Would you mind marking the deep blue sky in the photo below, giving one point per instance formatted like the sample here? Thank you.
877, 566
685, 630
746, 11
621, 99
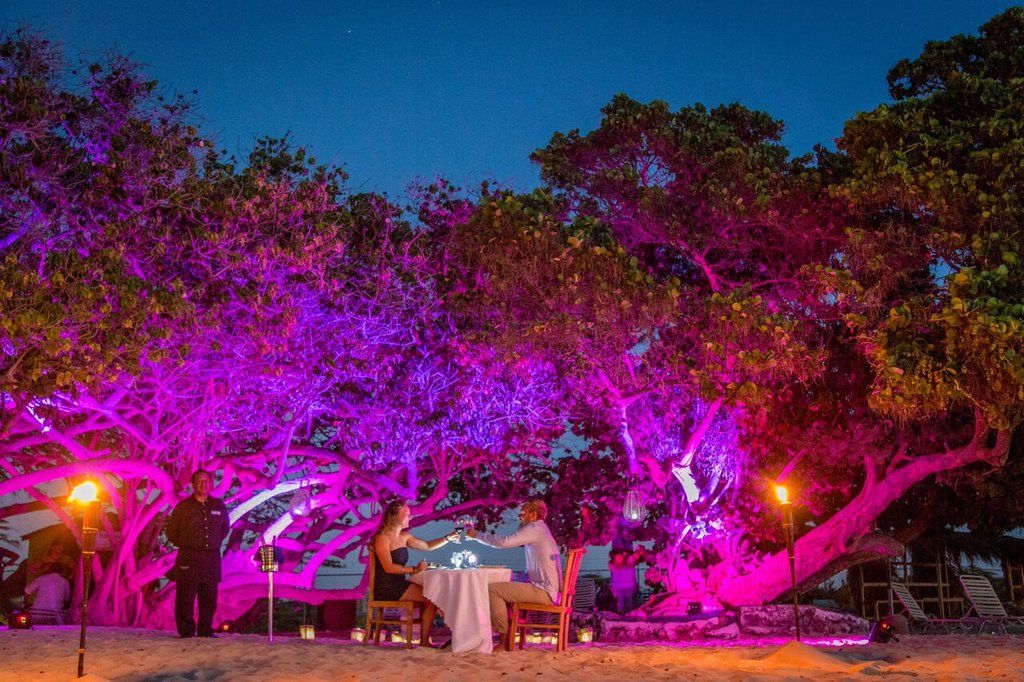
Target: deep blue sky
400, 90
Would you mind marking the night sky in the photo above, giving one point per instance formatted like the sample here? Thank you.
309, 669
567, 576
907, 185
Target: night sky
397, 91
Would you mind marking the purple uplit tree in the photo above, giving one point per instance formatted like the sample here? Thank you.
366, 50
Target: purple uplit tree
165, 312
682, 311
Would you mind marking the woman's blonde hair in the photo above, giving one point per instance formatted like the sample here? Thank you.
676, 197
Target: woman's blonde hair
389, 517
537, 507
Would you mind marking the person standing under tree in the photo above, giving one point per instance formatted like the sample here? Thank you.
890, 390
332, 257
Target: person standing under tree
198, 526
623, 583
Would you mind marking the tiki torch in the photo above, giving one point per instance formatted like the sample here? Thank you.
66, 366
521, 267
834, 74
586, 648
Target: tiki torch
87, 495
786, 507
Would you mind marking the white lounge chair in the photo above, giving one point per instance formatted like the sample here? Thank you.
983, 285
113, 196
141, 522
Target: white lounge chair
985, 605
917, 614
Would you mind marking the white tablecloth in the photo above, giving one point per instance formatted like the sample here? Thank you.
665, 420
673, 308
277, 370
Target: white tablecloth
462, 596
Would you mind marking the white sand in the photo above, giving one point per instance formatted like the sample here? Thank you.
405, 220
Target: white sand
121, 654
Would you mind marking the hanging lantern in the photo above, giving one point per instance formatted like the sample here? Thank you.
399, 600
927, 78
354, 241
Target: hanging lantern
301, 503
634, 509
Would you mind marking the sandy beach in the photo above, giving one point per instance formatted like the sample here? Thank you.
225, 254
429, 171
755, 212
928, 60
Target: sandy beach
124, 654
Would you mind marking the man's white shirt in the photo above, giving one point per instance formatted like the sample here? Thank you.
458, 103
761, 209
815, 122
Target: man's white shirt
543, 561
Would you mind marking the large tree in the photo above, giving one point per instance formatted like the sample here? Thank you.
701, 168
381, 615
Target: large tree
930, 284
164, 310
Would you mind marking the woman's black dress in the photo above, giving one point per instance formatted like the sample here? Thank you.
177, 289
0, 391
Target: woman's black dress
390, 586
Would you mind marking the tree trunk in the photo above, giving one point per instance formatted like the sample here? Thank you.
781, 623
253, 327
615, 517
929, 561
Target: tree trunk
839, 541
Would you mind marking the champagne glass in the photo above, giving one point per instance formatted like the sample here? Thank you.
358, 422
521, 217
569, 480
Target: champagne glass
464, 524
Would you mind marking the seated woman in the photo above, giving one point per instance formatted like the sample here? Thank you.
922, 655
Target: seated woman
391, 546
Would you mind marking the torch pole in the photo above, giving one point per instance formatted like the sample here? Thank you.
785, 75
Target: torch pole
90, 525
787, 529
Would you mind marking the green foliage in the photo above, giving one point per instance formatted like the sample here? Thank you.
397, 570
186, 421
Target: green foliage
936, 254
86, 176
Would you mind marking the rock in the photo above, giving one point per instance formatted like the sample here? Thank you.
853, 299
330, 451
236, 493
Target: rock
661, 631
756, 620
730, 631
777, 619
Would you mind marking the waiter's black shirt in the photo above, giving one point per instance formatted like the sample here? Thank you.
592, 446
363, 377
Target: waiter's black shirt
198, 529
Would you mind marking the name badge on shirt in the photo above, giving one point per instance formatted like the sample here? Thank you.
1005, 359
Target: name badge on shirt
215, 513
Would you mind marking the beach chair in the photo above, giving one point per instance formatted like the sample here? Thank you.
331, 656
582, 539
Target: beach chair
375, 616
48, 616
917, 615
985, 605
585, 599
562, 610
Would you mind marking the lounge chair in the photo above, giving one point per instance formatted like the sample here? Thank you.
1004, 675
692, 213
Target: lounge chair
986, 607
585, 598
917, 615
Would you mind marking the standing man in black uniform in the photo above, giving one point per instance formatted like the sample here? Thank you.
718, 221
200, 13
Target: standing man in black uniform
198, 526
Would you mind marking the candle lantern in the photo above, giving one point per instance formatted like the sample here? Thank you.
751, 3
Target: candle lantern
307, 632
464, 559
358, 635
634, 508
269, 558
585, 634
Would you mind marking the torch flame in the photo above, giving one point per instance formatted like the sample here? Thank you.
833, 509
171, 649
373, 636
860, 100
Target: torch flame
782, 494
85, 493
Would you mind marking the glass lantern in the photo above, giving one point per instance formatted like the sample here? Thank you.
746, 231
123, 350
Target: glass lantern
301, 503
634, 508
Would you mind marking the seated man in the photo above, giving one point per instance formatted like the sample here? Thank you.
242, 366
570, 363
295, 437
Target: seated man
51, 591
543, 564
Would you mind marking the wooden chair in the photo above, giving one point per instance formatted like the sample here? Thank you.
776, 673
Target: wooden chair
375, 611
562, 610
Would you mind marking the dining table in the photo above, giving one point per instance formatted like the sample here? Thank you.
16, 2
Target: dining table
461, 594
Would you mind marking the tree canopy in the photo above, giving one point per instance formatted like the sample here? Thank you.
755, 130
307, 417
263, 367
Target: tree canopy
682, 310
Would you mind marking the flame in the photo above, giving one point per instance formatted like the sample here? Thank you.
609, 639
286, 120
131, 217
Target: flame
85, 493
782, 494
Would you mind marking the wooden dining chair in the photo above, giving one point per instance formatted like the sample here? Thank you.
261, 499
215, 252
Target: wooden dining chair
375, 611
562, 611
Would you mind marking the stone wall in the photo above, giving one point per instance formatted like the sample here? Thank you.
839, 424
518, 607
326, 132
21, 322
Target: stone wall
754, 621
